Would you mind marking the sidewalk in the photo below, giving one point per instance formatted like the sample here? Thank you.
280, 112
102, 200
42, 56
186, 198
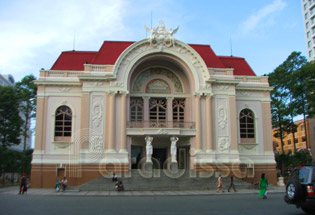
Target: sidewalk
51, 192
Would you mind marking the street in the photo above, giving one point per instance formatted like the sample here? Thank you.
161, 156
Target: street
223, 204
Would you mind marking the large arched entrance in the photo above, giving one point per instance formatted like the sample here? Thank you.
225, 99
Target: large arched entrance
160, 105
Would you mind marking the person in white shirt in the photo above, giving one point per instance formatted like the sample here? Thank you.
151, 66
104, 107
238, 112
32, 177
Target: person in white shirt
64, 183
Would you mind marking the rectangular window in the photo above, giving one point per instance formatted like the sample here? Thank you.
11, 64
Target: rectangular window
305, 6
158, 112
307, 25
302, 128
306, 15
310, 53
308, 34
136, 109
178, 112
303, 139
289, 142
309, 44
296, 140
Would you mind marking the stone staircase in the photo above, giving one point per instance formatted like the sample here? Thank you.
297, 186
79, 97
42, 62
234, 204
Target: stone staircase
159, 181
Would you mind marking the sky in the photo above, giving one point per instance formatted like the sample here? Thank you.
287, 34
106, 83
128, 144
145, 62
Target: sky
34, 33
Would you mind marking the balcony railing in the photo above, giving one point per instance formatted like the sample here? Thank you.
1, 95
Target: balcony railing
161, 124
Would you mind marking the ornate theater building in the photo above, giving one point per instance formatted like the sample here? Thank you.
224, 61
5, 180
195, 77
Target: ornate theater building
158, 103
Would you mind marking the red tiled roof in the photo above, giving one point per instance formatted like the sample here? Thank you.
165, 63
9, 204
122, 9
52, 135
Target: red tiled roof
111, 50
239, 65
73, 60
208, 56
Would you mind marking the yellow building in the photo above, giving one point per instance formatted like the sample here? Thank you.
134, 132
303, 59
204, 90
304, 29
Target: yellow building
289, 141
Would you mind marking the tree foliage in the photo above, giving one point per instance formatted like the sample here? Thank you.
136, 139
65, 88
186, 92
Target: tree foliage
291, 96
27, 91
10, 120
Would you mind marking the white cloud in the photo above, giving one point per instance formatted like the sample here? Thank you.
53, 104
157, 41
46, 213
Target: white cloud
261, 17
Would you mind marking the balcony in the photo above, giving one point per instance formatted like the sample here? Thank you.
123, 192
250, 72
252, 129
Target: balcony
161, 124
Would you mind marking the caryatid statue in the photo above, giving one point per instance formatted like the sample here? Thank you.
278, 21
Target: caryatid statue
174, 149
149, 148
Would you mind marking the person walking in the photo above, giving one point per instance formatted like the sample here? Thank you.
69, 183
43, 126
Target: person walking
220, 184
23, 187
231, 183
263, 183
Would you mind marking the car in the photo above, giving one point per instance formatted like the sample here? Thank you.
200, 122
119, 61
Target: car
300, 189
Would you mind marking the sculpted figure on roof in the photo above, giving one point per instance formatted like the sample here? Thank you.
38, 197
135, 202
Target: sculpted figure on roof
161, 36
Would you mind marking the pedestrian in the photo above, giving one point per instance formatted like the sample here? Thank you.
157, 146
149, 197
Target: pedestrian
220, 184
231, 183
64, 183
114, 178
263, 183
23, 187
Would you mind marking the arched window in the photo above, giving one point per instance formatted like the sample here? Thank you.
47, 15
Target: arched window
247, 125
63, 123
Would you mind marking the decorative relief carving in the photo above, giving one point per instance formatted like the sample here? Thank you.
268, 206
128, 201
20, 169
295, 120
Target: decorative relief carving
223, 144
146, 75
161, 36
97, 114
161, 39
64, 89
248, 148
96, 84
116, 84
162, 131
222, 87
245, 94
222, 116
96, 144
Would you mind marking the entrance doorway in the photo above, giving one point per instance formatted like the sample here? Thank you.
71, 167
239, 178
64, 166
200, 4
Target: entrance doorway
160, 155
136, 152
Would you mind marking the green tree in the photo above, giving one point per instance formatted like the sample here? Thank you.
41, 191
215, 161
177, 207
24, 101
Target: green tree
10, 120
27, 94
289, 91
308, 75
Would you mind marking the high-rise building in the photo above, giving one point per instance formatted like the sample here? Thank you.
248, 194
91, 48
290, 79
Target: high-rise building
308, 7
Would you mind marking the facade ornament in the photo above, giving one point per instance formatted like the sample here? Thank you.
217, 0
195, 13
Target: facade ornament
174, 149
224, 145
64, 89
161, 36
162, 131
149, 148
97, 114
96, 145
222, 118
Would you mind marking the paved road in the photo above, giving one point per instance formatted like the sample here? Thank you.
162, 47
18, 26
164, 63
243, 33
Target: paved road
247, 204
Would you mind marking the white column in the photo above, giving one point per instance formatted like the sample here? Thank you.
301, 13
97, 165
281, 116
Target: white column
170, 111
123, 120
198, 122
209, 135
146, 111
111, 123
